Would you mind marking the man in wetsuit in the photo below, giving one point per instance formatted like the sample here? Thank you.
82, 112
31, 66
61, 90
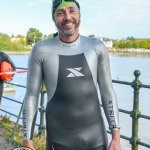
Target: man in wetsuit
72, 67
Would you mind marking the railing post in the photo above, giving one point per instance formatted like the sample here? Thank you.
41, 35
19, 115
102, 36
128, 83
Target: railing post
136, 84
42, 111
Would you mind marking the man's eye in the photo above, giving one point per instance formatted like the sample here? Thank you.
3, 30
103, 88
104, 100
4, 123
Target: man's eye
59, 13
72, 11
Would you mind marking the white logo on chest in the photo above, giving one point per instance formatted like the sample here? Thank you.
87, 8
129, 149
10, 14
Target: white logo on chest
75, 72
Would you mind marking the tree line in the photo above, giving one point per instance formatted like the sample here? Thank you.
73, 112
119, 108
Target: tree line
7, 45
131, 42
21, 43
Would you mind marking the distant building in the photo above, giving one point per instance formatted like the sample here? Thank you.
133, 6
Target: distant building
14, 39
108, 42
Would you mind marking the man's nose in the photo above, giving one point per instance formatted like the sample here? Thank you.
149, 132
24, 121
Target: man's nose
67, 16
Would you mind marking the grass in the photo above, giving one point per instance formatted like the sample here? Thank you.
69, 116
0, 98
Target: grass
8, 125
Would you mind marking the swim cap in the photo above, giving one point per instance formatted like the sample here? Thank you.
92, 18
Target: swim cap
61, 3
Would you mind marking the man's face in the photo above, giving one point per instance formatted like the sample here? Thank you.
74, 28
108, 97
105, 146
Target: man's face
67, 20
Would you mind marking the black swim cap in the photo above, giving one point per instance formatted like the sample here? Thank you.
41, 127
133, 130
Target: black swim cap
60, 3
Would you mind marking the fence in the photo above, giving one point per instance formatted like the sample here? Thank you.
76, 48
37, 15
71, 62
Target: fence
135, 114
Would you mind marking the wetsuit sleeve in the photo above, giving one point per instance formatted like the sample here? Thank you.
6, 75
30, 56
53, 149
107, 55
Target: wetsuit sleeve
34, 78
108, 95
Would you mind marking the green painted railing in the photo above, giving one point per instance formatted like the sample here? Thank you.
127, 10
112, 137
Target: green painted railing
135, 114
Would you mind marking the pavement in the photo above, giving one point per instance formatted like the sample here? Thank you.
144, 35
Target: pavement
3, 143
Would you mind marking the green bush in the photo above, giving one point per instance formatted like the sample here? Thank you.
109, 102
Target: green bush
8, 125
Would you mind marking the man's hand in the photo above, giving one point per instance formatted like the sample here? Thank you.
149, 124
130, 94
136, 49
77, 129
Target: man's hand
28, 144
115, 143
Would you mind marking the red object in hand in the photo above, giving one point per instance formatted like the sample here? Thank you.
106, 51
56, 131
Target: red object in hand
6, 67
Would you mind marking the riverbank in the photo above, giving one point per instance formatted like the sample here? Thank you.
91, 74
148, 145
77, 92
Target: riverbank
126, 52
130, 52
17, 52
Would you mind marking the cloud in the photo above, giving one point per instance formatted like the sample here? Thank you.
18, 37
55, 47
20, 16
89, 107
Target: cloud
44, 1
115, 17
119, 10
38, 2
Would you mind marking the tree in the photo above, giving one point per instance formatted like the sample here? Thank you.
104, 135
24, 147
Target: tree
135, 44
131, 38
19, 36
128, 44
115, 44
5, 43
92, 36
50, 35
44, 37
33, 36
131, 42
121, 44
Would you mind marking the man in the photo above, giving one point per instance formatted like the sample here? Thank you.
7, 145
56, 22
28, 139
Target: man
71, 65
6, 65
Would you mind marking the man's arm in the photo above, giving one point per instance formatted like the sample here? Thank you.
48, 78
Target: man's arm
30, 106
115, 143
108, 96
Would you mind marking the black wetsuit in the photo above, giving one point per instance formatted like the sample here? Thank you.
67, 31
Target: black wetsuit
71, 72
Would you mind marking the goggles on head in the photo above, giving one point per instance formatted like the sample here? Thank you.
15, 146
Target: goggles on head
56, 3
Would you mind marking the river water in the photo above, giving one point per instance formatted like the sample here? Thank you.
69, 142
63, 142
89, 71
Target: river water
122, 68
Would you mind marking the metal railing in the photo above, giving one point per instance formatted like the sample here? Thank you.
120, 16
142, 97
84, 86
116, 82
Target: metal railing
135, 114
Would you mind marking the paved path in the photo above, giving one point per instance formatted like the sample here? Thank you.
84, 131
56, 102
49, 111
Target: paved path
3, 142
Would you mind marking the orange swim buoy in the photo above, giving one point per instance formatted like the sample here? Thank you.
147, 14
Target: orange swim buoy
6, 67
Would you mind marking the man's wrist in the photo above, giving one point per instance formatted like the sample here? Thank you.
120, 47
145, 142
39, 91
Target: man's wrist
116, 134
28, 143
117, 128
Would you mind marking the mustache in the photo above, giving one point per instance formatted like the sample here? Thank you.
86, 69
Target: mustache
68, 21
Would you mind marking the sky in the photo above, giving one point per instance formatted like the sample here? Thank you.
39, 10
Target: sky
115, 19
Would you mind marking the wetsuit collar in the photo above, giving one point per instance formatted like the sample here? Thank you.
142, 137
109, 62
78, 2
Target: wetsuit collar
71, 45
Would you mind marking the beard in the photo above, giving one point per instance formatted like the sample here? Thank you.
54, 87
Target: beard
68, 33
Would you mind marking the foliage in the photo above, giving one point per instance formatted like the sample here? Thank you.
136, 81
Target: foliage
44, 37
39, 143
21, 43
5, 119
6, 44
131, 38
131, 42
50, 35
19, 36
8, 125
33, 36
91, 36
